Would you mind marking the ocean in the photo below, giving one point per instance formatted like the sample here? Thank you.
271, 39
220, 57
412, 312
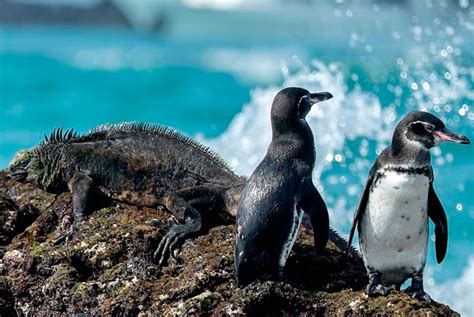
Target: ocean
212, 74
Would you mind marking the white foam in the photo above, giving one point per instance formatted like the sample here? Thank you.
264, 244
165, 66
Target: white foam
457, 293
333, 122
345, 116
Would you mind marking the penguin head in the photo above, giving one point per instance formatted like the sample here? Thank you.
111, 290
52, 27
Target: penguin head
291, 105
424, 130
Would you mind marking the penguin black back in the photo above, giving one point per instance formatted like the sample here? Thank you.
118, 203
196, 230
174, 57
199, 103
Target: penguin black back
270, 208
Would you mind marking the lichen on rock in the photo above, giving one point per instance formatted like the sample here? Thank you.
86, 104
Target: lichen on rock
107, 268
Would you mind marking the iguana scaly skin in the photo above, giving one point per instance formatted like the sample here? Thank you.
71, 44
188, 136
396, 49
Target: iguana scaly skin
140, 164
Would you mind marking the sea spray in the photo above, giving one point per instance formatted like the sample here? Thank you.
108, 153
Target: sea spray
337, 125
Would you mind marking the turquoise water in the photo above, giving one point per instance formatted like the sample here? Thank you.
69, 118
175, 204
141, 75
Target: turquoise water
217, 84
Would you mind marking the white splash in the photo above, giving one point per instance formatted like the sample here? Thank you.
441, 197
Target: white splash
344, 117
456, 293
334, 123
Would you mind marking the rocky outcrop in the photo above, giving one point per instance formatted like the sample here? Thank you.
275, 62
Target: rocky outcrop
107, 269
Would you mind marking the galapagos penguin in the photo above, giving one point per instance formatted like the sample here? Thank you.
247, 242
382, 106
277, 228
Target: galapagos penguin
399, 197
279, 190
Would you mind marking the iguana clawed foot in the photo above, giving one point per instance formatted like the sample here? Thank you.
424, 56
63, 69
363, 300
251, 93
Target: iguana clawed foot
64, 237
68, 235
174, 239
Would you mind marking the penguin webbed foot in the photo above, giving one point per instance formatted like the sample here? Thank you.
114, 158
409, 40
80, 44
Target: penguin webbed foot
416, 290
379, 289
418, 293
376, 287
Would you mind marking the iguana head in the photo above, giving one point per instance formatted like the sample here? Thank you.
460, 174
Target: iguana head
36, 167
42, 165
24, 166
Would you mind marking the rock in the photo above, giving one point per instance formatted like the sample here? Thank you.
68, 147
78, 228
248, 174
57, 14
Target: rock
107, 269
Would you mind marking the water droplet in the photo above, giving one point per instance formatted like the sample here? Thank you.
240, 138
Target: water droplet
436, 151
463, 110
449, 157
352, 190
464, 4
447, 75
338, 158
349, 13
414, 86
459, 207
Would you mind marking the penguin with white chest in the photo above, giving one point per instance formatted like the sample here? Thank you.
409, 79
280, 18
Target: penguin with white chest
399, 197
280, 189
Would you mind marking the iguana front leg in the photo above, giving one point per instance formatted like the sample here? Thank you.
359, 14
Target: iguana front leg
180, 205
82, 189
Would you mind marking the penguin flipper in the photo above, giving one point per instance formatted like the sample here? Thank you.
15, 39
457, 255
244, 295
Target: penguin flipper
361, 207
313, 204
438, 216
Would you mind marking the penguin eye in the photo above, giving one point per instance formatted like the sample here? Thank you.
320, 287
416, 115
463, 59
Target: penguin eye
429, 127
304, 105
418, 128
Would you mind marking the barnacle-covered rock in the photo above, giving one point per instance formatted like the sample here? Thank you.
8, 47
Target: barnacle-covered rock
107, 268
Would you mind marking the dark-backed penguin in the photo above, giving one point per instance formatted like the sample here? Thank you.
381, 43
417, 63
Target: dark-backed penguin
399, 197
279, 190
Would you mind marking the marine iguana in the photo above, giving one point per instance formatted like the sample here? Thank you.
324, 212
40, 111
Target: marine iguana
140, 164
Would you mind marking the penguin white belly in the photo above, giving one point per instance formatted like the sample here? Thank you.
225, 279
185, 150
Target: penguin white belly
297, 217
394, 227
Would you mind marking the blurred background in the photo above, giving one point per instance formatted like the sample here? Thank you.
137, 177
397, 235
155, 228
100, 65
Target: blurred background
210, 68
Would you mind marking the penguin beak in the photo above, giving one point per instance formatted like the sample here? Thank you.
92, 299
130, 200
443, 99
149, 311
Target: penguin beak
450, 136
319, 96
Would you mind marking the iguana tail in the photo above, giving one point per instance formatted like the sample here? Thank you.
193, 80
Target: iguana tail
341, 244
